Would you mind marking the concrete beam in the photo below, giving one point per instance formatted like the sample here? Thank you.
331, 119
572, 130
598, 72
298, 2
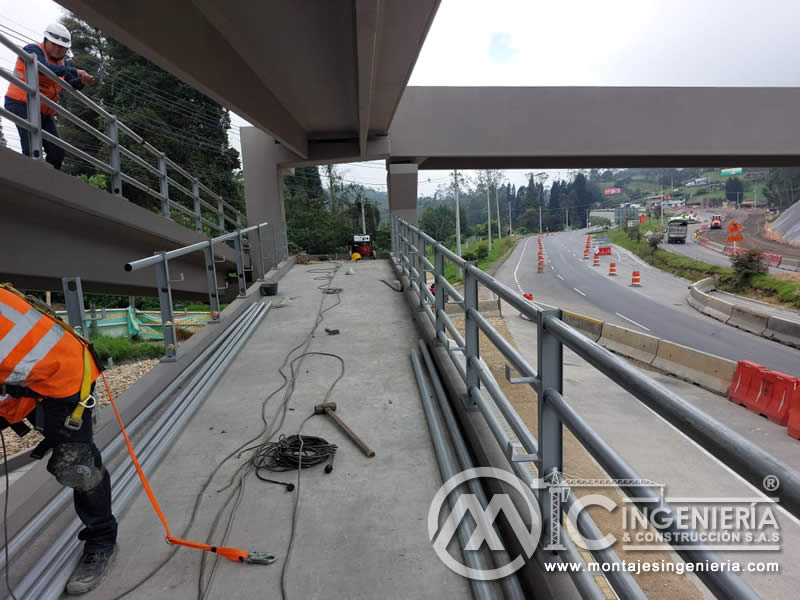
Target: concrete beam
367, 20
55, 225
550, 127
179, 38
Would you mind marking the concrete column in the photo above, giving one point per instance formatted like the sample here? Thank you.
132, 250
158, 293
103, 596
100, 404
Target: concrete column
402, 183
263, 189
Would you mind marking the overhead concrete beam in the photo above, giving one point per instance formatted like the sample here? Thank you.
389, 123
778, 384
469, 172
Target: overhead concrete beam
367, 16
550, 127
179, 38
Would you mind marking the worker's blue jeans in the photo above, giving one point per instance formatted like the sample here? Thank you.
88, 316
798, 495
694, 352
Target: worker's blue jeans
93, 507
54, 154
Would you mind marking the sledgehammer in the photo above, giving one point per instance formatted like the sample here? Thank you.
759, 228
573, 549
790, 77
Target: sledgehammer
328, 409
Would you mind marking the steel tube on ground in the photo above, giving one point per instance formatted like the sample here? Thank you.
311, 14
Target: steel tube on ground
744, 457
510, 584
475, 560
723, 584
622, 582
50, 581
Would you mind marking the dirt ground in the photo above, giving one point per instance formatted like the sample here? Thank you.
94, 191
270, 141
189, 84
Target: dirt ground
578, 463
753, 233
120, 378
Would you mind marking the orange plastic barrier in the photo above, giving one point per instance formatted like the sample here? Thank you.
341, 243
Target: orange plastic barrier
612, 269
747, 385
793, 426
604, 250
779, 389
636, 280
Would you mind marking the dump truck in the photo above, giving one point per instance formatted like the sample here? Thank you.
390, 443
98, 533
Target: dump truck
677, 231
716, 222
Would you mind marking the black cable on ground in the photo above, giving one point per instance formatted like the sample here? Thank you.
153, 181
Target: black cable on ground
391, 286
5, 516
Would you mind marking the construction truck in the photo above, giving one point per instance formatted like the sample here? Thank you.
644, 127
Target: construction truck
716, 222
677, 230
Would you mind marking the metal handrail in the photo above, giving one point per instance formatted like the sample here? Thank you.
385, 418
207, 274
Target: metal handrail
160, 260
224, 211
741, 455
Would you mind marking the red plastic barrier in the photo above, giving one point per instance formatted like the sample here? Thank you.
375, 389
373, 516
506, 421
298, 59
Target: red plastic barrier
779, 390
702, 241
747, 385
604, 250
773, 260
793, 426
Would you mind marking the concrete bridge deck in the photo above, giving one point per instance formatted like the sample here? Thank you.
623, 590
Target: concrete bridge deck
360, 530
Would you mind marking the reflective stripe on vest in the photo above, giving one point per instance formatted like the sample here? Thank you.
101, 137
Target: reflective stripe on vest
31, 323
47, 87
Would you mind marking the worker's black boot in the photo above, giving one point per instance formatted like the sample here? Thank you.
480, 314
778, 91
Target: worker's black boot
91, 570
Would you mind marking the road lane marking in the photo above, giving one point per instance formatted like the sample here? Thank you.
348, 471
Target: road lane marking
580, 292
559, 276
632, 321
525, 247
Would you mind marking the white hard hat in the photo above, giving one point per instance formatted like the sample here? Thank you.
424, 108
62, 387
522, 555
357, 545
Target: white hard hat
58, 34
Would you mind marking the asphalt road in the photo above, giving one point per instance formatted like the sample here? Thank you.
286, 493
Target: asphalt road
656, 308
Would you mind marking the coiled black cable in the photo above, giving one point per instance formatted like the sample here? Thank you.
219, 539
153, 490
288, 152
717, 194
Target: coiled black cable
291, 452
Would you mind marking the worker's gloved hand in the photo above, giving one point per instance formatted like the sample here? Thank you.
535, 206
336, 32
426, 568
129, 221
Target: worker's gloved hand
86, 78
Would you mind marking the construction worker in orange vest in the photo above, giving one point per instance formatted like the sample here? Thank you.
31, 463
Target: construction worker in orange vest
50, 52
47, 374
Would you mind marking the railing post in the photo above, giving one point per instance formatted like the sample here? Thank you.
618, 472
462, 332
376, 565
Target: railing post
275, 257
221, 215
164, 184
237, 248
34, 107
550, 362
114, 158
198, 224
394, 238
260, 263
165, 304
439, 290
211, 279
423, 279
73, 297
472, 349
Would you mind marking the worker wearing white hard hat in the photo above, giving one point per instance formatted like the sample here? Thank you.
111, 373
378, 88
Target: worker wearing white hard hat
51, 52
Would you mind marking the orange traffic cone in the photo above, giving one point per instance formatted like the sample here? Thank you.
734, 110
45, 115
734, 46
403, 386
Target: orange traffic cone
540, 267
612, 269
636, 281
585, 254
596, 262
528, 296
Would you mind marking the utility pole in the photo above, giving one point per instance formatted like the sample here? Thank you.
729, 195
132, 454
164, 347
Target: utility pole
458, 214
497, 211
363, 222
661, 225
510, 232
540, 215
541, 177
488, 215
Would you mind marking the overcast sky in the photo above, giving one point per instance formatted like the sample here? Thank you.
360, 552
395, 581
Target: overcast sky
568, 42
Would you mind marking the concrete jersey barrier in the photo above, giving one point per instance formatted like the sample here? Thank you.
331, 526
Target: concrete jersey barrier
706, 370
591, 328
639, 346
749, 320
783, 331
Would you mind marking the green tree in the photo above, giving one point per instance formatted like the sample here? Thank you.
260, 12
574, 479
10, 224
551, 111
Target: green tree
439, 222
734, 190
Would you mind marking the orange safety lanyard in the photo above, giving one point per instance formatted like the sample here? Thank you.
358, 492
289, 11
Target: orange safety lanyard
233, 554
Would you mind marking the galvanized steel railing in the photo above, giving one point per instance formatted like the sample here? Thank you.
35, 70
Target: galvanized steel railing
207, 208
409, 246
160, 261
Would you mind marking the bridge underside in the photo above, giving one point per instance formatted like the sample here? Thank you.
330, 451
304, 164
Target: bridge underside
55, 226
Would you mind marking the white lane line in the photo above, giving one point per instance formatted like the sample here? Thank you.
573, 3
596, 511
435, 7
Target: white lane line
632, 321
559, 276
580, 292
525, 247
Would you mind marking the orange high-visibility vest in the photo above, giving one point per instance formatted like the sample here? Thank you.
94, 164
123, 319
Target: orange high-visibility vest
47, 87
39, 353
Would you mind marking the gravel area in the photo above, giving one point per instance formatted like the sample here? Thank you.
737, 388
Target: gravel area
120, 378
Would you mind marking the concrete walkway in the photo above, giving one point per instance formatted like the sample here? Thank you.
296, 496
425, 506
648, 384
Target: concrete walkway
360, 530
